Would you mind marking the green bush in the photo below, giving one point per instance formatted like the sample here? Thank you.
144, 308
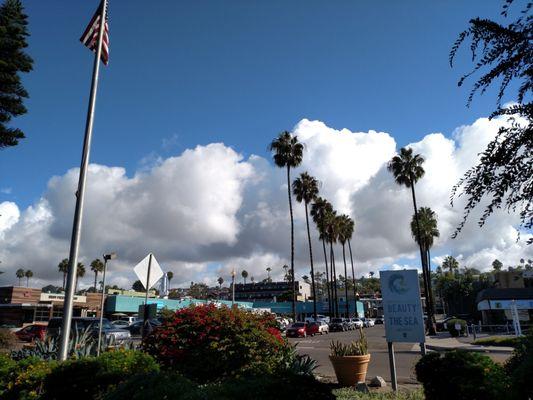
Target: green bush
461, 375
89, 378
506, 341
268, 387
451, 327
206, 343
351, 394
7, 339
520, 368
23, 380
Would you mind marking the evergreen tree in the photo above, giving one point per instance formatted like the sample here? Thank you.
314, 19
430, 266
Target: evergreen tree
13, 61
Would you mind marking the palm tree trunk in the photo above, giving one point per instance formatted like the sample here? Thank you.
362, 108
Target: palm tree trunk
311, 258
334, 278
430, 326
345, 282
27, 281
64, 279
430, 283
327, 276
20, 281
353, 280
95, 280
292, 244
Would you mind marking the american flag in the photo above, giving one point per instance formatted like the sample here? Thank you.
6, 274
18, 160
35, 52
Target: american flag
90, 36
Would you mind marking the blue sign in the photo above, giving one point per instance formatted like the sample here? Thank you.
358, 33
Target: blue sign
402, 308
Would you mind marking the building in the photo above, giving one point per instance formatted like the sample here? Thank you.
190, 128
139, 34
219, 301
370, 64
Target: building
270, 291
23, 305
495, 304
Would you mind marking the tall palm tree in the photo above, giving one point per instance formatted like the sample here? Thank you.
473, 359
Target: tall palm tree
252, 279
343, 235
96, 266
319, 209
244, 275
80, 273
170, 275
305, 188
288, 153
286, 275
28, 274
427, 222
20, 275
407, 171
63, 268
268, 273
350, 228
220, 281
331, 223
451, 264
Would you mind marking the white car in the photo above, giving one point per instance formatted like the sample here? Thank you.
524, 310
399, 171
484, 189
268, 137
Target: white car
368, 322
323, 327
358, 323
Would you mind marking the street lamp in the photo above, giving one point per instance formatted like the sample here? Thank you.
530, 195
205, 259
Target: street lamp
107, 257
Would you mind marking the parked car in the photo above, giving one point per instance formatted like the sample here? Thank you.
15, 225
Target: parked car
120, 323
367, 322
338, 325
298, 329
31, 333
323, 327
129, 320
319, 317
349, 324
82, 324
379, 321
357, 322
312, 328
136, 328
441, 324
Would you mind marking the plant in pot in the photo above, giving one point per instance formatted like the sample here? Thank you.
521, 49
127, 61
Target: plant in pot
350, 361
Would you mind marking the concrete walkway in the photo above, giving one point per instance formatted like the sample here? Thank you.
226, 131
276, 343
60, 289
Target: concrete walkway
443, 343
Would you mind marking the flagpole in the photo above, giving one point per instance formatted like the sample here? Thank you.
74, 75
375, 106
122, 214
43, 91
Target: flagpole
80, 197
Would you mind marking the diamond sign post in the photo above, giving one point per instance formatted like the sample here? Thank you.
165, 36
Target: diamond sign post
149, 272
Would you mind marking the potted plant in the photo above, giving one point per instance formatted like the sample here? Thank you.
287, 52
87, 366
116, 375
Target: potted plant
350, 361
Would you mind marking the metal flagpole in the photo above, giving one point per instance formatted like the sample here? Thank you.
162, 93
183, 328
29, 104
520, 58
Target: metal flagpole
80, 197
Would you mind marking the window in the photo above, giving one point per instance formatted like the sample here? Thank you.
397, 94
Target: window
42, 314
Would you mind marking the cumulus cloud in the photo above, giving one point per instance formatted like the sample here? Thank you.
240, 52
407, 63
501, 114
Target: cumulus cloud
209, 210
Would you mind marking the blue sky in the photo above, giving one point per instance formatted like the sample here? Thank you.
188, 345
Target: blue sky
184, 73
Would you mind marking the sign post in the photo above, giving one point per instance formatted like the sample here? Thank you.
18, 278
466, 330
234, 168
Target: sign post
402, 309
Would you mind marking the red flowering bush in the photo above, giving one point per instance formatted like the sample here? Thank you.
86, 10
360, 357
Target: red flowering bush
206, 343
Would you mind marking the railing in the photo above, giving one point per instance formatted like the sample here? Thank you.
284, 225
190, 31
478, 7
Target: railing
502, 329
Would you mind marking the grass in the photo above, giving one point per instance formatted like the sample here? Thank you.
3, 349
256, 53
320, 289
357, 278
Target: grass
350, 394
506, 341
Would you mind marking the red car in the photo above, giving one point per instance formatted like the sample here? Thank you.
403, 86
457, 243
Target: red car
31, 333
302, 329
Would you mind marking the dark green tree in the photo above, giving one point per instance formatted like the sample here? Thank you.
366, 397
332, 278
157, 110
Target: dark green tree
97, 266
28, 274
504, 174
13, 61
305, 188
407, 170
344, 229
450, 264
138, 286
319, 209
170, 275
244, 275
20, 274
63, 268
497, 265
288, 153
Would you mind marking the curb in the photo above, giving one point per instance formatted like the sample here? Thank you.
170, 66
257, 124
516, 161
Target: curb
479, 349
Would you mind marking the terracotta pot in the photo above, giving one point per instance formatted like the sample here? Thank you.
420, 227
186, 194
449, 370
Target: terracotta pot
350, 369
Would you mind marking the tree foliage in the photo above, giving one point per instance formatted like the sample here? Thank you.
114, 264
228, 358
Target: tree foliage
13, 61
504, 174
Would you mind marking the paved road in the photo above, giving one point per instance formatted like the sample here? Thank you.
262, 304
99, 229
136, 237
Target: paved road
407, 354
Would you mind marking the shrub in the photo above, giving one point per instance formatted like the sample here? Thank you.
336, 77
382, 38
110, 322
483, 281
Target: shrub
355, 348
7, 339
351, 394
89, 378
506, 341
451, 327
461, 375
519, 368
206, 343
24, 379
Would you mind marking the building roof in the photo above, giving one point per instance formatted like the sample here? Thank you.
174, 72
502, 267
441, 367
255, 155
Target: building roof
505, 294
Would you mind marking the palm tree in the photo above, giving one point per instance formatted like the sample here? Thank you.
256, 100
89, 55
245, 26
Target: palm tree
407, 170
170, 275
319, 209
96, 266
268, 273
450, 264
252, 279
220, 281
371, 274
331, 224
28, 274
305, 188
427, 223
288, 152
343, 235
286, 275
20, 275
80, 273
244, 275
63, 268
350, 227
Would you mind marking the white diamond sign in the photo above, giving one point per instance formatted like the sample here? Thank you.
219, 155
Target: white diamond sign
141, 270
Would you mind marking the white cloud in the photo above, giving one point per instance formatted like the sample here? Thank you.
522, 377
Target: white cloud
209, 210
